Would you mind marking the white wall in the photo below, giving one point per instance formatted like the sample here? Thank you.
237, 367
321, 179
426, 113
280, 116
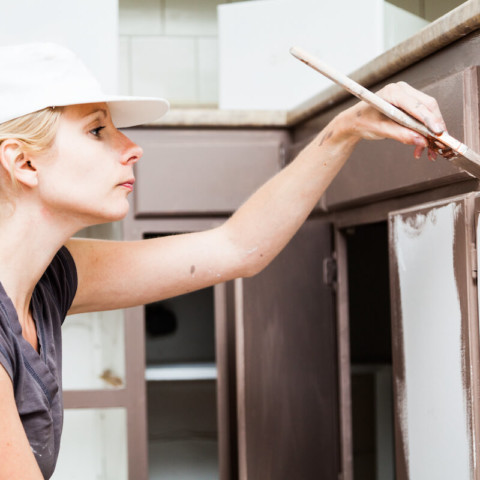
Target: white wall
170, 48
256, 69
88, 27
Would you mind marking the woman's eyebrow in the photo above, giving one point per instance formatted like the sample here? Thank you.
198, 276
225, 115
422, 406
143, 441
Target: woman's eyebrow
102, 111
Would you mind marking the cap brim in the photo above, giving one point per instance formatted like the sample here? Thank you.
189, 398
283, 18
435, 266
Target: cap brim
131, 111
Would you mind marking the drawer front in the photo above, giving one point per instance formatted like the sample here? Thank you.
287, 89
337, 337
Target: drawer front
202, 171
386, 168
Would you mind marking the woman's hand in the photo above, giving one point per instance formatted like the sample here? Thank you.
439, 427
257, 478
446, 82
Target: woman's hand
364, 121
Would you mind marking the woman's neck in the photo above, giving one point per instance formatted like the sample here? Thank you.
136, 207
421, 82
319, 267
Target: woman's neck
29, 239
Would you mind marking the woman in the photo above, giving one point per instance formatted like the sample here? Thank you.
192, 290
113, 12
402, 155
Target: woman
64, 166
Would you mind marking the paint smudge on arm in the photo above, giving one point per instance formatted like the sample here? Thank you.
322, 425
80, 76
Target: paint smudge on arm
325, 137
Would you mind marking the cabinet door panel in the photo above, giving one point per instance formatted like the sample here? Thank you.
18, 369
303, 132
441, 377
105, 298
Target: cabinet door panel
287, 365
435, 340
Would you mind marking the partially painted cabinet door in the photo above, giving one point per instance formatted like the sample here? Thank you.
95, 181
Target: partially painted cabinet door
287, 365
435, 339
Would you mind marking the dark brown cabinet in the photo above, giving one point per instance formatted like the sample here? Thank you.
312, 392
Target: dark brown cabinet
312, 368
275, 333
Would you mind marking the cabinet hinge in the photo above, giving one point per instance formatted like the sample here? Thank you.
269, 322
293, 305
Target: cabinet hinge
473, 252
330, 271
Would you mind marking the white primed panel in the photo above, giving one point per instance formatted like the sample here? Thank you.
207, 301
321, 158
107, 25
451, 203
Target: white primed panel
88, 27
93, 351
432, 401
94, 445
256, 68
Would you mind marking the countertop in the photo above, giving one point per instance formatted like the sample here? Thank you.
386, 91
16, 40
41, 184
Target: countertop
454, 25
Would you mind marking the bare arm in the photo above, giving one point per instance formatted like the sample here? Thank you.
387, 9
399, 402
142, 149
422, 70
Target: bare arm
16, 457
121, 274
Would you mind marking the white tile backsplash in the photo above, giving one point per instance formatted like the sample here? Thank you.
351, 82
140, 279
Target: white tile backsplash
208, 71
124, 65
140, 17
165, 67
191, 17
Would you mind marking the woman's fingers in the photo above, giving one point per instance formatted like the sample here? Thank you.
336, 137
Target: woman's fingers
373, 125
418, 104
417, 153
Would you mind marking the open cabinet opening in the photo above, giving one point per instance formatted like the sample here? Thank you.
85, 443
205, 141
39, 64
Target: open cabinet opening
370, 352
181, 387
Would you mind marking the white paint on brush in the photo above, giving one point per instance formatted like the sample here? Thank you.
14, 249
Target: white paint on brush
433, 409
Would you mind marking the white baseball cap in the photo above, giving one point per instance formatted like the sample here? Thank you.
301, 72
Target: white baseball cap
35, 76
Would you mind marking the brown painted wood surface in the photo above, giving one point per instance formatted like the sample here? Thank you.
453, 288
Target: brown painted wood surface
343, 346
226, 381
203, 172
287, 365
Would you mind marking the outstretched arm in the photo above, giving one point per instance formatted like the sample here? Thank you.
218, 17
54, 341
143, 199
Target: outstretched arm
121, 274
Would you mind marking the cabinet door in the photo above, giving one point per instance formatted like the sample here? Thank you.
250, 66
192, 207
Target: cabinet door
435, 339
287, 365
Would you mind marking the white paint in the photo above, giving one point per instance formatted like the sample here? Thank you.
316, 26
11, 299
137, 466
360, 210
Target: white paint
433, 407
88, 27
94, 445
92, 343
181, 371
256, 70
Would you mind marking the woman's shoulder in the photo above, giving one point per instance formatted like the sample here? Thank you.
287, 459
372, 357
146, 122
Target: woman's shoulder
59, 282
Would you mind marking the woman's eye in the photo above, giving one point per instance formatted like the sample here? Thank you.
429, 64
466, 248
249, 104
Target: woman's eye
96, 131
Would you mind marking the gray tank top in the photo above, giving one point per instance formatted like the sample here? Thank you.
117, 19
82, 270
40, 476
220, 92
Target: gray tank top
37, 377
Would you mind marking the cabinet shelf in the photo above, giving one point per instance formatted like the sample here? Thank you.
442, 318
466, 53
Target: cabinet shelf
181, 371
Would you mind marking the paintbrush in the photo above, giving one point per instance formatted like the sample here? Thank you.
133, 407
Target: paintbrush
453, 150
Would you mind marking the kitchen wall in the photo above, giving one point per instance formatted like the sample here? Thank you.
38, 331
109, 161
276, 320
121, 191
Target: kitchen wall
170, 47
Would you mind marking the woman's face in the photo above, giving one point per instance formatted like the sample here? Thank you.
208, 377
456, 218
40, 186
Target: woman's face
88, 173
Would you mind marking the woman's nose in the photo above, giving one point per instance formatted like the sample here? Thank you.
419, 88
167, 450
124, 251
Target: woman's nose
132, 152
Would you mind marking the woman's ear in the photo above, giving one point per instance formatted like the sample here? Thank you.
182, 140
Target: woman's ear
18, 163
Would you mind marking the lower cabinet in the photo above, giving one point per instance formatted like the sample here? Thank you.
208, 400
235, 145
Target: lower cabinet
241, 378
181, 378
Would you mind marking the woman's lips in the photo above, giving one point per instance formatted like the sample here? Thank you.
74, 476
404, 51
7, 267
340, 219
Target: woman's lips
128, 184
